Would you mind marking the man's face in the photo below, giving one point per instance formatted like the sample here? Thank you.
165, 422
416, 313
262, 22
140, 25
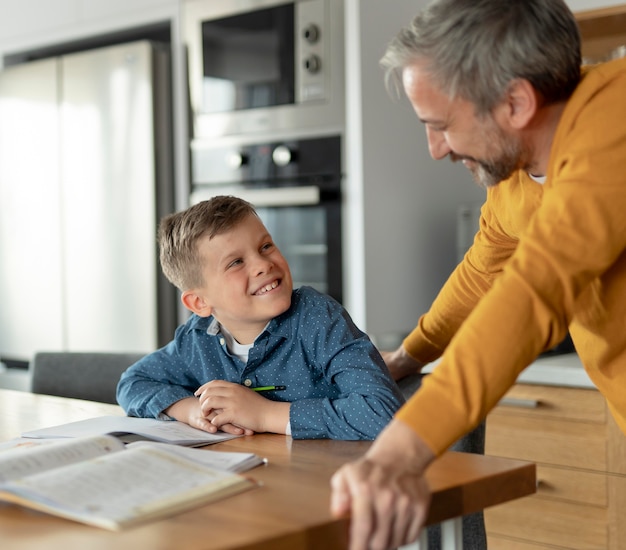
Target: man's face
247, 279
453, 129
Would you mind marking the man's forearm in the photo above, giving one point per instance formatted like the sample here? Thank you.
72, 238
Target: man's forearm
399, 446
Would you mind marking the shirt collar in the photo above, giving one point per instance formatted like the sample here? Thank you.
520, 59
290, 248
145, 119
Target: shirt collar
278, 326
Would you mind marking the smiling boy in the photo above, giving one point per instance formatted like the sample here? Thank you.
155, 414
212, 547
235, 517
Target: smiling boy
251, 329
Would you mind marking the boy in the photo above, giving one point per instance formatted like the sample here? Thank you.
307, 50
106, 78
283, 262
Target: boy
250, 330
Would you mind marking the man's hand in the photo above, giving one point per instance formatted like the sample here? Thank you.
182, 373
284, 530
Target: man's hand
400, 363
385, 492
226, 403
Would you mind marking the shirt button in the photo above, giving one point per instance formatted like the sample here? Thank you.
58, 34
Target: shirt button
221, 341
247, 382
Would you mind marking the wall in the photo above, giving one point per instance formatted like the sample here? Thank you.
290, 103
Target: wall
408, 201
29, 24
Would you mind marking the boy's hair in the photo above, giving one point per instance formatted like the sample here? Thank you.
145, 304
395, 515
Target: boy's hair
180, 232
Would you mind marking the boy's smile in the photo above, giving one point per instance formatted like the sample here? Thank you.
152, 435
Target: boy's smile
247, 281
267, 288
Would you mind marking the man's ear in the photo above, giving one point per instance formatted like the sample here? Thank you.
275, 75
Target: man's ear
196, 303
521, 103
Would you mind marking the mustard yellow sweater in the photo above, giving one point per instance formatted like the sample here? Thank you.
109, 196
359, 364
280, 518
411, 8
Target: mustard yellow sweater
547, 257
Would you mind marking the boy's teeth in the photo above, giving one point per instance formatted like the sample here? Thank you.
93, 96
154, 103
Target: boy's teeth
268, 288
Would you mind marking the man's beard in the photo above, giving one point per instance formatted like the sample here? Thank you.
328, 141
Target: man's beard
508, 158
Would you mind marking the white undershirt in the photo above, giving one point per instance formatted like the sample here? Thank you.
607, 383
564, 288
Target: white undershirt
239, 350
243, 351
538, 179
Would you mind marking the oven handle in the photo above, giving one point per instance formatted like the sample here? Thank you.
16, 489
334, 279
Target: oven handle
267, 197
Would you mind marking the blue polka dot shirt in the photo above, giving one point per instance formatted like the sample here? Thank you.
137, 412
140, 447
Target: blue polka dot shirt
335, 379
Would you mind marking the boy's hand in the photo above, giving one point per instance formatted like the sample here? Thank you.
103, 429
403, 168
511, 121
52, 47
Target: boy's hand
189, 411
227, 403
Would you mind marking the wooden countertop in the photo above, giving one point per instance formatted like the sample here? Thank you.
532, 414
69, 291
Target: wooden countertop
289, 510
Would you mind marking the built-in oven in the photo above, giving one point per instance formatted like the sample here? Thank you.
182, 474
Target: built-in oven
295, 186
258, 66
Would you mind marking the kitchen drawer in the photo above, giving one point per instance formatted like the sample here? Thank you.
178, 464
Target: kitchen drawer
503, 543
547, 441
551, 522
554, 402
579, 486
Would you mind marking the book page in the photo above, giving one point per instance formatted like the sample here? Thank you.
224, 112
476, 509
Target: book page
23, 461
166, 431
222, 460
122, 488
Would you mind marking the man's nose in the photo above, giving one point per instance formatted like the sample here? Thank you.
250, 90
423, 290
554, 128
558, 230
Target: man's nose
437, 145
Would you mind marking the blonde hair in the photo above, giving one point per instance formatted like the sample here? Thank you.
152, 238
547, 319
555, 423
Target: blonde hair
179, 233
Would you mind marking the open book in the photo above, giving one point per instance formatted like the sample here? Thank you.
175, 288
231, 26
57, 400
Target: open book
132, 429
99, 481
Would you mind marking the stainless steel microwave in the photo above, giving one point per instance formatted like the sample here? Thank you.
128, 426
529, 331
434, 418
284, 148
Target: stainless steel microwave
262, 66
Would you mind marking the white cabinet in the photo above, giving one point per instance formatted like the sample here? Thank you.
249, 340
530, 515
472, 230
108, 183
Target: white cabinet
81, 186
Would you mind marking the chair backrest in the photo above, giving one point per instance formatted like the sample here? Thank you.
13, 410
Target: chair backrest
92, 376
410, 384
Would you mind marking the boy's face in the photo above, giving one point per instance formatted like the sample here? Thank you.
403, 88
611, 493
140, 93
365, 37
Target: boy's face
247, 281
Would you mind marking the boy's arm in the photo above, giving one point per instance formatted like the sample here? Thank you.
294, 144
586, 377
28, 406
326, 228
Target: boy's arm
168, 375
147, 388
361, 397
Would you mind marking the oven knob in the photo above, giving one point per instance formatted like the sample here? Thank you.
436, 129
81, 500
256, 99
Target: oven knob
237, 160
282, 156
313, 63
311, 33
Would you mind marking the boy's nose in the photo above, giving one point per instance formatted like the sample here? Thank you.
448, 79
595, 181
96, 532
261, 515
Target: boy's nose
263, 265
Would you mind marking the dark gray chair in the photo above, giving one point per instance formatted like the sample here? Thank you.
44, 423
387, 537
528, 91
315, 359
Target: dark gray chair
92, 376
474, 535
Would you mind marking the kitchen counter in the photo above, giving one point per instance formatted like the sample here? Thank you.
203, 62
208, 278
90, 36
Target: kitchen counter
14, 379
557, 370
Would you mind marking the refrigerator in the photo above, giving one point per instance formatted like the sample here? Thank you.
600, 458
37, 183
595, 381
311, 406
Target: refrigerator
85, 175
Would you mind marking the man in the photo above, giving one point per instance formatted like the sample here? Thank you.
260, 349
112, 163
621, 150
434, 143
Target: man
498, 86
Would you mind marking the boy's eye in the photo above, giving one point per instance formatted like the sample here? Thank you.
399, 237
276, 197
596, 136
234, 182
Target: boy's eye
234, 263
267, 246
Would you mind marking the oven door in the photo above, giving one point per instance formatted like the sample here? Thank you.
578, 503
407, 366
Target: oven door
305, 223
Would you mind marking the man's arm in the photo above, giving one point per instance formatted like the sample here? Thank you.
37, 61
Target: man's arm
401, 364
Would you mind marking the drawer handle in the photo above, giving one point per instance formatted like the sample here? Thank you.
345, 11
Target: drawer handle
544, 486
524, 403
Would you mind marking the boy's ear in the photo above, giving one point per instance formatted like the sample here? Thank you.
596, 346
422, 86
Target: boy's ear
196, 303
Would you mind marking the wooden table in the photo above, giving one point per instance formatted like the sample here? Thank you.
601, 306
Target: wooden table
289, 511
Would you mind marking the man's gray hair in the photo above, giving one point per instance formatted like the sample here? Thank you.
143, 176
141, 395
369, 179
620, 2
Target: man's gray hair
475, 48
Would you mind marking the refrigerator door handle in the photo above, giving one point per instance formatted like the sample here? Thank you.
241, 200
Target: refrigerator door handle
275, 196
